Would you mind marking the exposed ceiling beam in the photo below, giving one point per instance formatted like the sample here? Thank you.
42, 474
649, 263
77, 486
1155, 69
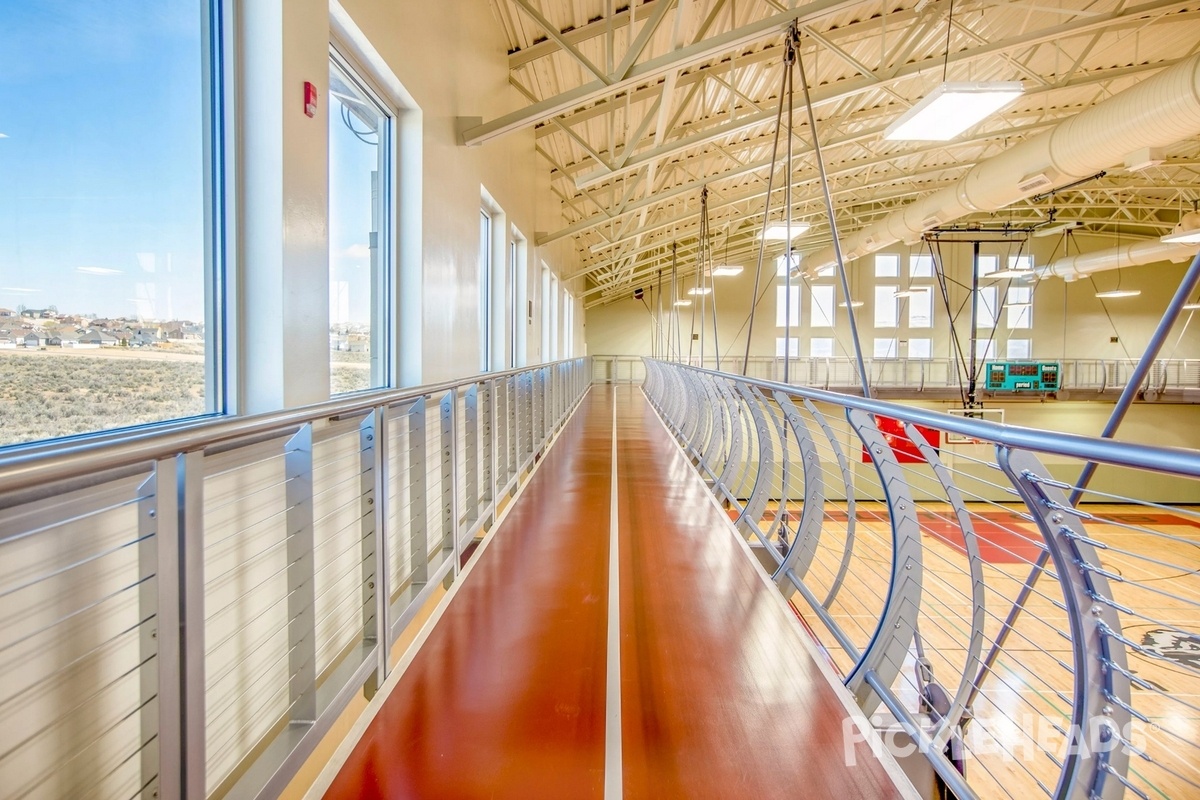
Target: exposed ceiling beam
853, 86
576, 36
653, 199
652, 69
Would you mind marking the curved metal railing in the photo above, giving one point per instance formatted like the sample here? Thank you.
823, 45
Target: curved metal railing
1011, 631
1080, 378
185, 612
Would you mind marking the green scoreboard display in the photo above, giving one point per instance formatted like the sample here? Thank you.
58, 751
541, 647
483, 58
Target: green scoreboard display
1022, 376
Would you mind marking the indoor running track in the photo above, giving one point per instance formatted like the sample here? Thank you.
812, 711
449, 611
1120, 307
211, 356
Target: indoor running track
718, 695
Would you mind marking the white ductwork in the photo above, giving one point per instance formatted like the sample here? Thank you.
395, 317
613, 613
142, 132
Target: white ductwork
1133, 254
1157, 112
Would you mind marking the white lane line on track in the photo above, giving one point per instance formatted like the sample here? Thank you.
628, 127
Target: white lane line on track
613, 773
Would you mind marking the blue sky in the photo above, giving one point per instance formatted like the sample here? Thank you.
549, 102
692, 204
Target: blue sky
102, 163
101, 170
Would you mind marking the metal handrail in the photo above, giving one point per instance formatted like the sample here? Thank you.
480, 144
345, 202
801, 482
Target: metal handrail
900, 571
245, 578
943, 374
1175, 460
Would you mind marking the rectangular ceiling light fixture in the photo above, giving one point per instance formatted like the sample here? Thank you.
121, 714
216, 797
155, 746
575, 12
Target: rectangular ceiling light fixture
726, 271
951, 108
1182, 237
778, 231
697, 292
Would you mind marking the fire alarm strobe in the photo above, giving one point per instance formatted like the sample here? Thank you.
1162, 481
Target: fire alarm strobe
310, 99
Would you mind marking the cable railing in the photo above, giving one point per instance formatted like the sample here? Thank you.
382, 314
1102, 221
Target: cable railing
1010, 631
187, 612
1079, 378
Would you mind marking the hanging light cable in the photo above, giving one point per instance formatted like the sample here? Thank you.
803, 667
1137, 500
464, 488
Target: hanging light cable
1118, 292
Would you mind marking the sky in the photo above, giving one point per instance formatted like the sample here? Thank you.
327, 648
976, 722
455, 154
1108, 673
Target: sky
102, 164
101, 167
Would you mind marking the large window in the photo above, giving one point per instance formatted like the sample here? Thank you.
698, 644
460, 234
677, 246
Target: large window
789, 346
1020, 307
823, 307
820, 347
887, 265
886, 308
921, 266
920, 308
886, 347
986, 315
787, 308
360, 132
109, 217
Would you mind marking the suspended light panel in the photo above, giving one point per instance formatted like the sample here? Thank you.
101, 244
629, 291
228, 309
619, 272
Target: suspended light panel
1011, 273
695, 292
853, 304
778, 231
683, 303
910, 292
1182, 237
1191, 306
1112, 293
1061, 227
951, 108
727, 271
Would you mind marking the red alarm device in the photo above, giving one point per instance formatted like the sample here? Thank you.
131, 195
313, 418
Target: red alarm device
310, 99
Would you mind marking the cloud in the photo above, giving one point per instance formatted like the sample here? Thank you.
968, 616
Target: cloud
356, 251
3, 135
18, 290
98, 270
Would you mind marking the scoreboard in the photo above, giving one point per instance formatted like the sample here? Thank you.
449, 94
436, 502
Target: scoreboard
1022, 376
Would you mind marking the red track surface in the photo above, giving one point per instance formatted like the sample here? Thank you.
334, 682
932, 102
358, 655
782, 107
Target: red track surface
506, 698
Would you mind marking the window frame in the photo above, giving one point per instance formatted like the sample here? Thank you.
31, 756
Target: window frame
383, 312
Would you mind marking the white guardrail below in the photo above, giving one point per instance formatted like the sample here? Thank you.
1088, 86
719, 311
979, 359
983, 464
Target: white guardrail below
187, 612
1009, 630
1080, 379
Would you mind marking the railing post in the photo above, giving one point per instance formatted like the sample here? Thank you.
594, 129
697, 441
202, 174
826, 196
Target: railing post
449, 481
471, 482
159, 639
189, 485
807, 537
375, 592
418, 541
889, 644
301, 601
1097, 759
491, 454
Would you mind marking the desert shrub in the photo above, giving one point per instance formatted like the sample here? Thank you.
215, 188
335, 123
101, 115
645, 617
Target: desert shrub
51, 396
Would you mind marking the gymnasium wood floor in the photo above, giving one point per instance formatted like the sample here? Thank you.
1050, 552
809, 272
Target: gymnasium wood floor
720, 694
1025, 703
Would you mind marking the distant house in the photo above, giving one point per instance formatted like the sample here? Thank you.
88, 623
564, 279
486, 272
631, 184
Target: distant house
7, 313
143, 337
99, 338
7, 342
36, 339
